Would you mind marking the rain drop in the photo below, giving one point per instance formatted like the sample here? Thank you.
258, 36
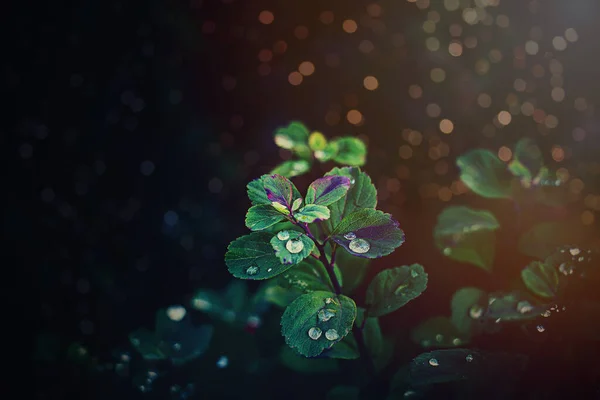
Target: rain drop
332, 334
574, 251
325, 315
439, 337
580, 259
475, 311
270, 269
314, 333
359, 246
350, 236
433, 362
469, 357
222, 362
540, 328
328, 300
283, 235
294, 246
252, 270
456, 341
524, 307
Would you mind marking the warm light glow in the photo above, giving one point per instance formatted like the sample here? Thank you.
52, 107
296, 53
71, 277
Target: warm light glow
349, 26
446, 126
306, 68
266, 17
504, 153
370, 83
295, 78
504, 117
354, 117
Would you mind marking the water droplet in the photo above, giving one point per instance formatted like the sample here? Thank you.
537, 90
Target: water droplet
476, 311
540, 328
328, 300
456, 341
222, 362
252, 270
176, 346
433, 362
176, 313
574, 251
546, 313
314, 333
580, 259
439, 337
524, 307
359, 246
270, 269
414, 273
469, 357
332, 334
283, 235
325, 314
352, 181
350, 236
294, 246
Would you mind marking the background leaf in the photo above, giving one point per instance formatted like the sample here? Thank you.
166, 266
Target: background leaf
468, 308
528, 156
303, 314
541, 279
294, 137
393, 288
262, 217
543, 239
467, 235
353, 269
485, 174
291, 247
292, 168
252, 257
292, 360
327, 190
317, 141
368, 233
350, 151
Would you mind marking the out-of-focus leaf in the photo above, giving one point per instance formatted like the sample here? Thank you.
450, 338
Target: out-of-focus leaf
438, 332
543, 239
317, 141
292, 168
541, 279
485, 174
350, 151
306, 365
353, 269
468, 308
467, 235
393, 288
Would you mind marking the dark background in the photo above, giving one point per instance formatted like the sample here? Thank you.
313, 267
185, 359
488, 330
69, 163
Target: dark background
117, 113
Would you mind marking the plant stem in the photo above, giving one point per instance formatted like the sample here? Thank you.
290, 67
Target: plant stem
357, 331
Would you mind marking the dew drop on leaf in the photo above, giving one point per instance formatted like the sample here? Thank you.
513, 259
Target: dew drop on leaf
283, 235
328, 300
433, 362
350, 236
476, 311
314, 333
294, 246
332, 334
414, 273
359, 246
524, 307
325, 315
574, 251
439, 338
252, 270
469, 357
540, 328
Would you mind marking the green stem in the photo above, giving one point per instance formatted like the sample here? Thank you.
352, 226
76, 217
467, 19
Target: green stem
357, 331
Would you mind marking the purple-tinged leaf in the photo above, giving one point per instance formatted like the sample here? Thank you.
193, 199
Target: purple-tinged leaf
327, 190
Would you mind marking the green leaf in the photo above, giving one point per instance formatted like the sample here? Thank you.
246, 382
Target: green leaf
373, 336
343, 393
327, 190
467, 235
291, 136
362, 194
514, 306
393, 288
252, 257
280, 189
311, 213
256, 192
313, 310
317, 141
291, 247
485, 174
290, 359
353, 269
236, 295
297, 203
292, 168
368, 233
543, 239
308, 276
262, 217
541, 279
438, 332
280, 296
330, 150
350, 151
527, 159
468, 308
